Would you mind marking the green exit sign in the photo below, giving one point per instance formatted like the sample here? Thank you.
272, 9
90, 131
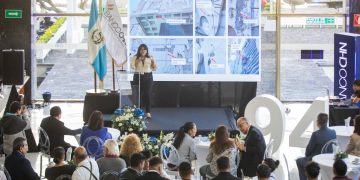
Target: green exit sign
13, 13
320, 21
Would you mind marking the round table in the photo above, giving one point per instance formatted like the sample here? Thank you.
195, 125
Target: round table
343, 134
201, 150
326, 162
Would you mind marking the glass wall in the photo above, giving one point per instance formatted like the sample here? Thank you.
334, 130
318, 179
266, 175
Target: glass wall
306, 51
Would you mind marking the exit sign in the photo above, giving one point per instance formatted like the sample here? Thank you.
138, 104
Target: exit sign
13, 13
320, 21
357, 20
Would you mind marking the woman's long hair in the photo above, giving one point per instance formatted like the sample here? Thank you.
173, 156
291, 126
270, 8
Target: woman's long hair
96, 120
357, 124
181, 133
139, 48
222, 141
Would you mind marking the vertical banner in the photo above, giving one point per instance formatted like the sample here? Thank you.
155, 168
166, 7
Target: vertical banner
346, 63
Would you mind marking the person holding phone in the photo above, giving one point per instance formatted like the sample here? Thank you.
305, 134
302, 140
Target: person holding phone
143, 64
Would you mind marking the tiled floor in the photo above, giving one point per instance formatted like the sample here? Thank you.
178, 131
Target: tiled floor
72, 117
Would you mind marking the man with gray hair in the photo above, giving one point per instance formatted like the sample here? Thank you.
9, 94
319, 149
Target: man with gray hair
87, 168
111, 160
318, 139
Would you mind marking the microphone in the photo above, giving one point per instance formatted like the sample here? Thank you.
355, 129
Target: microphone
143, 60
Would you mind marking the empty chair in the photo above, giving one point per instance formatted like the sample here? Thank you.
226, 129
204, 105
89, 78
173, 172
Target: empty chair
44, 143
167, 152
269, 149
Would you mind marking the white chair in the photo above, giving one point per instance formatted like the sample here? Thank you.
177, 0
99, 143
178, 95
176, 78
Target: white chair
328, 146
44, 143
165, 153
269, 149
110, 175
287, 166
64, 177
89, 142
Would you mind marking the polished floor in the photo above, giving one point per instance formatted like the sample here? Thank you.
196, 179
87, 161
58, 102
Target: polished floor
72, 117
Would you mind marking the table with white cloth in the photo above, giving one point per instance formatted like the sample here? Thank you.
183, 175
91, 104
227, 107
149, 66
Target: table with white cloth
115, 134
343, 134
326, 162
201, 150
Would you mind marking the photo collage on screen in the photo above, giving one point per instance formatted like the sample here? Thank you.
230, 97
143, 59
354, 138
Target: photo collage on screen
218, 38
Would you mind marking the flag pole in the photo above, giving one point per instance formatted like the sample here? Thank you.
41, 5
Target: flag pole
95, 81
113, 72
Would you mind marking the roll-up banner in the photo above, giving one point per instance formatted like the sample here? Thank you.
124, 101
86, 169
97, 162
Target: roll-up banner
346, 63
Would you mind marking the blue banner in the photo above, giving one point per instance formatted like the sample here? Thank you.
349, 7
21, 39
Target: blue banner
346, 63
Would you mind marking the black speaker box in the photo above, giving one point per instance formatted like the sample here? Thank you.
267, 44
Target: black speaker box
13, 66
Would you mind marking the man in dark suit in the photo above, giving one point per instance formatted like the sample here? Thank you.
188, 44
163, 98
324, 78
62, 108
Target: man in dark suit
17, 165
223, 166
155, 169
56, 129
252, 151
137, 162
318, 139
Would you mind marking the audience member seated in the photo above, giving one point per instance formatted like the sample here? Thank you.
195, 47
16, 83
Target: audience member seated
95, 128
16, 163
148, 155
252, 150
56, 129
25, 115
185, 171
222, 145
13, 126
60, 167
137, 162
87, 168
185, 144
272, 165
155, 169
356, 95
317, 141
312, 170
353, 147
131, 144
223, 166
339, 170
263, 172
111, 160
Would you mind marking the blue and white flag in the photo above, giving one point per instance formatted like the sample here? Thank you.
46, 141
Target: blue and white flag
96, 44
114, 33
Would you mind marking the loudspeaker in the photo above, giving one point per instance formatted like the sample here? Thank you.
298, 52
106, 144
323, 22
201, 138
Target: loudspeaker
13, 66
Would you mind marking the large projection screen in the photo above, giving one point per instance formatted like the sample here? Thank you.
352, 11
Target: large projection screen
198, 40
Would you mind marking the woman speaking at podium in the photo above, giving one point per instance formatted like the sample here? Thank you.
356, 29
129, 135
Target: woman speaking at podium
143, 65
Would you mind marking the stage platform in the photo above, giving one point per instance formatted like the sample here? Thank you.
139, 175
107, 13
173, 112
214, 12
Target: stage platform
205, 118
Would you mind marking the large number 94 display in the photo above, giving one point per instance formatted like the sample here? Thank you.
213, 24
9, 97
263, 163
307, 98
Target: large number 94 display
198, 40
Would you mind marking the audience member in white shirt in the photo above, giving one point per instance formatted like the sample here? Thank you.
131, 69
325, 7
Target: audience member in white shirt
87, 168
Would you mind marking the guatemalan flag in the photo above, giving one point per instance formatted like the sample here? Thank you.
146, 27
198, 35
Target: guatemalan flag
96, 44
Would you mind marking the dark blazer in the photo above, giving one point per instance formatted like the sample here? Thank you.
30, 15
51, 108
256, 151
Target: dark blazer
129, 174
151, 175
225, 176
53, 172
341, 178
19, 167
317, 141
254, 154
56, 131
